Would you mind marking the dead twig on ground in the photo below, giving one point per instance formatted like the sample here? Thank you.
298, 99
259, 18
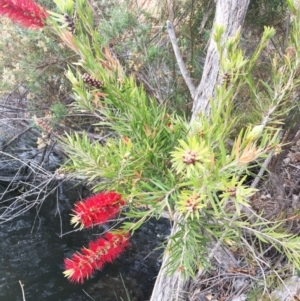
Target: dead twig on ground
7, 144
22, 288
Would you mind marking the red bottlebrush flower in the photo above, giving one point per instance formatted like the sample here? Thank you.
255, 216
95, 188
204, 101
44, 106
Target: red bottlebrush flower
82, 265
118, 243
97, 209
25, 12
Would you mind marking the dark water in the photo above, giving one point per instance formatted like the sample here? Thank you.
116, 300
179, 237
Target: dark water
32, 251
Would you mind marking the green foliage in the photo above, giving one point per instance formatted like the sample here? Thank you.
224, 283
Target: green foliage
35, 61
64, 5
161, 163
59, 111
266, 12
188, 250
47, 4
120, 22
273, 5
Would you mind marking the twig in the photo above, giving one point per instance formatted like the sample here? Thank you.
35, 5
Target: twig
265, 164
23, 293
12, 108
179, 59
259, 263
88, 295
15, 138
261, 171
66, 233
293, 165
58, 211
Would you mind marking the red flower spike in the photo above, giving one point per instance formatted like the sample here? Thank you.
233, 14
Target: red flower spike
82, 265
25, 12
97, 209
118, 243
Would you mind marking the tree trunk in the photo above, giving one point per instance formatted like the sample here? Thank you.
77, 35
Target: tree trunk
169, 288
230, 14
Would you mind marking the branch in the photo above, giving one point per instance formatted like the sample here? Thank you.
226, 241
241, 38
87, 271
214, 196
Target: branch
179, 59
4, 147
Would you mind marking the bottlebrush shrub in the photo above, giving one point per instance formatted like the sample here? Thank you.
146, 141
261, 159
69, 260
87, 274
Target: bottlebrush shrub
105, 249
25, 12
97, 209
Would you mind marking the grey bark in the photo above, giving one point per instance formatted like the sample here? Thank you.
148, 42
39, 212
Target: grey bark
231, 14
169, 288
